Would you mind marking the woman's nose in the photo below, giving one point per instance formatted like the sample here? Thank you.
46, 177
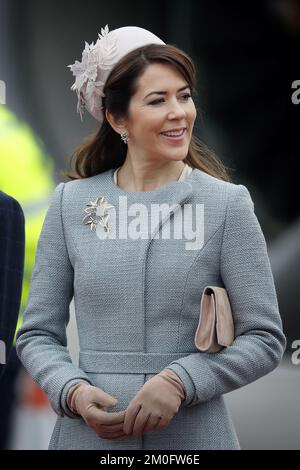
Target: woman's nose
176, 110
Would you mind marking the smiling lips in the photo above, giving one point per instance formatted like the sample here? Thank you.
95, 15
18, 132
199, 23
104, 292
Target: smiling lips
174, 135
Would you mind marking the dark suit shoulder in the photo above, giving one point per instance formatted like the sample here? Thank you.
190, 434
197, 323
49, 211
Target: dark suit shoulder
10, 204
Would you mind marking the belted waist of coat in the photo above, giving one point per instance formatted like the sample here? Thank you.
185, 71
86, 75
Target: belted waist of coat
126, 362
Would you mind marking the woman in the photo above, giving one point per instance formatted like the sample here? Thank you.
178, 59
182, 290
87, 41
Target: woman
141, 382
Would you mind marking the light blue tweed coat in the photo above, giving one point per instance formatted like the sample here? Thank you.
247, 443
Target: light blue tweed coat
137, 309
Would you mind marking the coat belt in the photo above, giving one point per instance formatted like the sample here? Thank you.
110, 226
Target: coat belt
126, 362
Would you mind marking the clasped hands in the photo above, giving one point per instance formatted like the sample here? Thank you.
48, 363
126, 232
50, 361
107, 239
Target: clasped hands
153, 407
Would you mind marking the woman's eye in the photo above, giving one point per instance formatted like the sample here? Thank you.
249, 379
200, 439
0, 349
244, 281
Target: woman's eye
186, 97
156, 101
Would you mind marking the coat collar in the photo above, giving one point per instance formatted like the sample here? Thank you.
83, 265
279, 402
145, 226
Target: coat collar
175, 194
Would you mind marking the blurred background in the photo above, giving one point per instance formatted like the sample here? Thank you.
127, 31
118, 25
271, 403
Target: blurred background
247, 58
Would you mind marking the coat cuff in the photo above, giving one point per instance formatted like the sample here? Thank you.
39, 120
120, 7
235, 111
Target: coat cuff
197, 378
187, 382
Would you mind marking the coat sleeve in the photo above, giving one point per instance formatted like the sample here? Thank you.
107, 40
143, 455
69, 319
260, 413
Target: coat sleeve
259, 339
41, 340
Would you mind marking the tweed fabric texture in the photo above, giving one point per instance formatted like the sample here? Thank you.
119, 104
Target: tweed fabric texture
137, 309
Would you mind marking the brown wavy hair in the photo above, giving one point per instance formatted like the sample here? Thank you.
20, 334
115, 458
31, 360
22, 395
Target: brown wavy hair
103, 150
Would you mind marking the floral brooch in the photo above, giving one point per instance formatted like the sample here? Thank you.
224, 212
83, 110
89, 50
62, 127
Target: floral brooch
97, 213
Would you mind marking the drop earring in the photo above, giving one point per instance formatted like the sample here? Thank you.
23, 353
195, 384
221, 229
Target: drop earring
124, 137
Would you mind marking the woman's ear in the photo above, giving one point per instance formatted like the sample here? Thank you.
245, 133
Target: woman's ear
117, 125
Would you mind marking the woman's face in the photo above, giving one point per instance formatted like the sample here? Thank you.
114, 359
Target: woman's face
161, 103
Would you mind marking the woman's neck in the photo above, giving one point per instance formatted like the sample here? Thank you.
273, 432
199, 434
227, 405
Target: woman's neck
137, 179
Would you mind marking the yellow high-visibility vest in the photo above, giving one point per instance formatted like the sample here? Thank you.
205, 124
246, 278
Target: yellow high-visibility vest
26, 173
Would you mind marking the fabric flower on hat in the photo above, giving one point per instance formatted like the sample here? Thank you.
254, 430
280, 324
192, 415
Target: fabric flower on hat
88, 84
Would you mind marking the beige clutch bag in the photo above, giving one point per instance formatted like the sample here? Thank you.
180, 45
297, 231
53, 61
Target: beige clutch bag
215, 329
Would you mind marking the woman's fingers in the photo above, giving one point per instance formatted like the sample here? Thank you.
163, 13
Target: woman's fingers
110, 428
140, 422
106, 418
152, 423
130, 416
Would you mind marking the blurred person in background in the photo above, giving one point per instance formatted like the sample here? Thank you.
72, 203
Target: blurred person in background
12, 240
26, 174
